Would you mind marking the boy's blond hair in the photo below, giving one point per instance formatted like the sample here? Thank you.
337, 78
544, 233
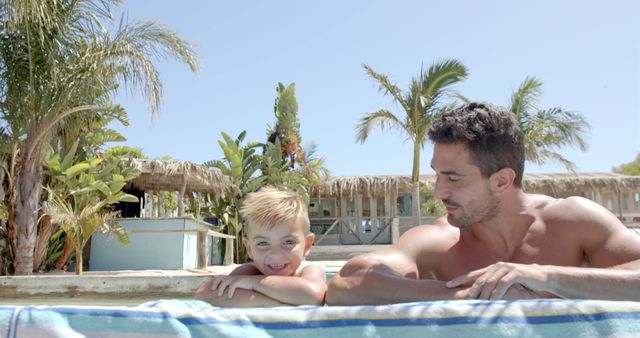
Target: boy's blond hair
271, 206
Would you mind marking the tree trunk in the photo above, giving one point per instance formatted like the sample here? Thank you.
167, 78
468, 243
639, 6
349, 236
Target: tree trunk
28, 189
415, 202
42, 244
78, 261
415, 185
67, 249
9, 203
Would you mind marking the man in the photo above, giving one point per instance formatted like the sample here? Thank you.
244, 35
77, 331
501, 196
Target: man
496, 242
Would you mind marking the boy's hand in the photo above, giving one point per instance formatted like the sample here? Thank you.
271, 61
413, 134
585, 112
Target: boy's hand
221, 283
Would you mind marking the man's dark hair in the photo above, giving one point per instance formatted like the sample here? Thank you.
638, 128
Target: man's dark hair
494, 138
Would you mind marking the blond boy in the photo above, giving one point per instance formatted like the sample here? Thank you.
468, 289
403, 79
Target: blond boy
277, 240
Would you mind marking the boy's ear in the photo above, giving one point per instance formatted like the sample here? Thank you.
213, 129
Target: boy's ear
308, 243
248, 247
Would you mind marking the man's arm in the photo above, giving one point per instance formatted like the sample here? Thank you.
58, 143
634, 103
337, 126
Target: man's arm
383, 278
612, 250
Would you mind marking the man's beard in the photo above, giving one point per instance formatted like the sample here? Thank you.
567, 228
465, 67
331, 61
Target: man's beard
478, 211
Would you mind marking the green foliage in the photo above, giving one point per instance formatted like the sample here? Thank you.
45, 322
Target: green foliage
421, 103
276, 172
631, 168
432, 206
61, 63
287, 127
281, 164
241, 163
85, 191
545, 130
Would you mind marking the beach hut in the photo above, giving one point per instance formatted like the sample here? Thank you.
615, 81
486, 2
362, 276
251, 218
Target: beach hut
362, 209
161, 238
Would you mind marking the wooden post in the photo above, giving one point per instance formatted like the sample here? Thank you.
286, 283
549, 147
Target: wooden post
202, 249
161, 211
395, 230
228, 251
148, 208
181, 196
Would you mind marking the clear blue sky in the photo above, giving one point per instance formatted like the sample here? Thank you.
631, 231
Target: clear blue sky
587, 53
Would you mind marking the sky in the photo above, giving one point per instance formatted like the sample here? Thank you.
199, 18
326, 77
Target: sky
587, 54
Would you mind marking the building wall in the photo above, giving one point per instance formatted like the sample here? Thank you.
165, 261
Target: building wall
166, 251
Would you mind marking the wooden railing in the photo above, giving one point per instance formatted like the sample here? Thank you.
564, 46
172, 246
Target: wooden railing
393, 222
202, 243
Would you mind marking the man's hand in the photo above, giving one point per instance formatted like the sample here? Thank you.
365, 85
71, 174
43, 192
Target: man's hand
221, 283
496, 281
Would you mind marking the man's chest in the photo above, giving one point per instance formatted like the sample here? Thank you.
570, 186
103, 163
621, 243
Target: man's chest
549, 251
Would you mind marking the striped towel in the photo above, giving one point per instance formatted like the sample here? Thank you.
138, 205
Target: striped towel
176, 318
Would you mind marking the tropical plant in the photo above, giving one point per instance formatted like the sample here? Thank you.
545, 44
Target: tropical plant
241, 163
278, 173
421, 104
287, 126
545, 130
82, 207
631, 168
58, 59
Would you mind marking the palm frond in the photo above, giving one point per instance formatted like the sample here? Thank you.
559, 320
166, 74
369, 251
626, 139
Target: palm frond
387, 87
382, 118
438, 78
525, 99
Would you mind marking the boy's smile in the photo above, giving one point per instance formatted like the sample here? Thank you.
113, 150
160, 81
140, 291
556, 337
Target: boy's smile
279, 250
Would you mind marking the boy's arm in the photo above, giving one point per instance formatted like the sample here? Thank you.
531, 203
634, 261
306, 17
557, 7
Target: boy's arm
307, 289
242, 298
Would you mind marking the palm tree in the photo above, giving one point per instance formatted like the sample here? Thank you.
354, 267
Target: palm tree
546, 130
422, 103
57, 59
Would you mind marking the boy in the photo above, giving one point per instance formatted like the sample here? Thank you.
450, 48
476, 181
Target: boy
277, 240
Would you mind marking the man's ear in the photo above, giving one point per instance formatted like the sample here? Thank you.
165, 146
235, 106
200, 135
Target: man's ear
308, 243
248, 247
503, 179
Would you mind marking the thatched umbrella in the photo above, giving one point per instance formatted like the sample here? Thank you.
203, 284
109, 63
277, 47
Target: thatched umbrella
182, 176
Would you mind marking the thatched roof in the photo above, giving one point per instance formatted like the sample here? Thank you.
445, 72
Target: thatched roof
364, 185
558, 185
169, 175
562, 185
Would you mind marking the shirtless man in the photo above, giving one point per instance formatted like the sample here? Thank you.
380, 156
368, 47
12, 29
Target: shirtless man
496, 242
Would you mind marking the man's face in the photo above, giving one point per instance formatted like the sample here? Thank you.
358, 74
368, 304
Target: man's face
466, 194
279, 250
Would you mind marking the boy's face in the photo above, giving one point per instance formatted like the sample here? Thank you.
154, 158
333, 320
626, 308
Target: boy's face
279, 250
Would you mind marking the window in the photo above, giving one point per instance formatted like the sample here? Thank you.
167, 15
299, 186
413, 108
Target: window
608, 201
589, 195
322, 207
403, 205
636, 199
625, 204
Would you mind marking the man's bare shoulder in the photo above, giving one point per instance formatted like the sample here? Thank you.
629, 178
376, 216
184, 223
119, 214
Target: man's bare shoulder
435, 237
573, 210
